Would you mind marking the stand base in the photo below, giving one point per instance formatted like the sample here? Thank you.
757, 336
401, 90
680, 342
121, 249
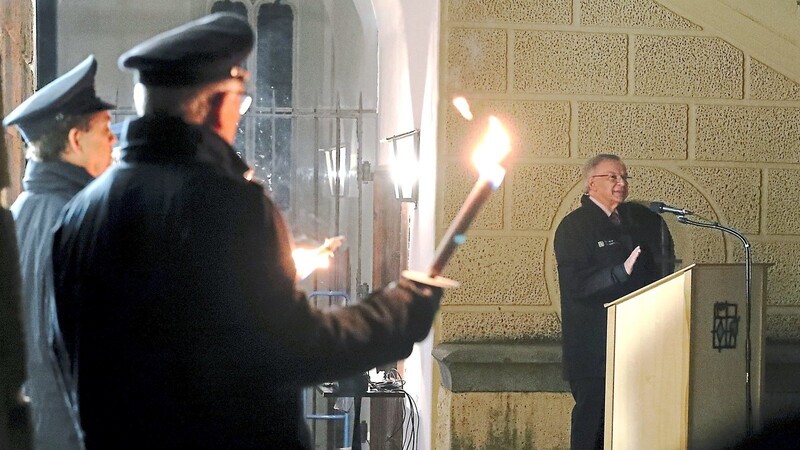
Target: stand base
437, 281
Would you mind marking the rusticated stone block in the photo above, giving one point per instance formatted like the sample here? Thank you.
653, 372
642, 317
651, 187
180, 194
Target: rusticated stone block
498, 271
632, 14
783, 327
783, 215
767, 84
783, 278
507, 420
536, 193
512, 11
538, 129
500, 326
462, 135
503, 367
737, 192
635, 130
748, 133
476, 60
649, 184
457, 184
557, 62
687, 66
692, 245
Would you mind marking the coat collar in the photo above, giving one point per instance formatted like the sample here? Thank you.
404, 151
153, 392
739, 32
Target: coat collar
55, 177
161, 138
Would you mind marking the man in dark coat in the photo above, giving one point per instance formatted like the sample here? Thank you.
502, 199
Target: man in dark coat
174, 279
605, 249
69, 143
14, 417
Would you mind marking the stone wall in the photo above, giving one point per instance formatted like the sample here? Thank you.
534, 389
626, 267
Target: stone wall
17, 81
701, 123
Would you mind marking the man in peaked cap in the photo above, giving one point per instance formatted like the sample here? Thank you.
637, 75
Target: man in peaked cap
66, 127
175, 284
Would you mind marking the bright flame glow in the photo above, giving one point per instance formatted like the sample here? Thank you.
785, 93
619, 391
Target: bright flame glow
404, 168
307, 260
494, 147
462, 106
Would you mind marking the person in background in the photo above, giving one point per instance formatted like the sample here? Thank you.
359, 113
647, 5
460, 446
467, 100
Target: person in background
66, 127
605, 249
14, 415
175, 285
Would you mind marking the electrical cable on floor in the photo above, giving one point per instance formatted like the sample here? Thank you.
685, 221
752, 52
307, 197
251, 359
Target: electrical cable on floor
409, 424
413, 422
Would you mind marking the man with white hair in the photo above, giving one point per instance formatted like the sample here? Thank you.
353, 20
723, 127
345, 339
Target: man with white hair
605, 249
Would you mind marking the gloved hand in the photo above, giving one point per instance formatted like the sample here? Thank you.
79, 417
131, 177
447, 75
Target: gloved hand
433, 293
423, 304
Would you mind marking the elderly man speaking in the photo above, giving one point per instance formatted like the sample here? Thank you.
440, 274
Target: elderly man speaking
605, 249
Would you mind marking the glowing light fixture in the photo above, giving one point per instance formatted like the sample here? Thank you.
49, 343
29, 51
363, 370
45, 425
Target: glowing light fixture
404, 165
336, 169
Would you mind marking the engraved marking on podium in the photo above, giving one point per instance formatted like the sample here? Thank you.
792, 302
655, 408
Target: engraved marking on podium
726, 325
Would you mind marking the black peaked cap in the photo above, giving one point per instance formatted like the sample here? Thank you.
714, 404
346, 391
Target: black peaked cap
199, 52
70, 94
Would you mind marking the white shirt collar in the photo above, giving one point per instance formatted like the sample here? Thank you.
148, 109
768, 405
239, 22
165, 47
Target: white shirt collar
603, 207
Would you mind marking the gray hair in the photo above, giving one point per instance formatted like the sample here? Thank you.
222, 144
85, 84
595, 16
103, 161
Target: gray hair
51, 145
592, 163
190, 103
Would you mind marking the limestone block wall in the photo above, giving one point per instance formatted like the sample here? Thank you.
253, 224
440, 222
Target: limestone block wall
16, 83
517, 422
701, 123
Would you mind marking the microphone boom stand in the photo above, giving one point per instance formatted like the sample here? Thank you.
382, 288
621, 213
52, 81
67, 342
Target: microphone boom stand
749, 282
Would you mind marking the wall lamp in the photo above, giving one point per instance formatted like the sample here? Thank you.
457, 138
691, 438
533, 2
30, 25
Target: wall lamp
404, 165
336, 169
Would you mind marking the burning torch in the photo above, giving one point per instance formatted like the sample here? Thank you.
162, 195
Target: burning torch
307, 260
493, 148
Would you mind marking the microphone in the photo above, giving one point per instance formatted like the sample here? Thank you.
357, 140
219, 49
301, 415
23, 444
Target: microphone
660, 207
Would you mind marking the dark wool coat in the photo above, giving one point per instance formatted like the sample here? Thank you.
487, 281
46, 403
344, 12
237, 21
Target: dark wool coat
590, 252
14, 425
175, 289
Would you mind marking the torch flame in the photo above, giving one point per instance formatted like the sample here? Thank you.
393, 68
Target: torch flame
494, 147
462, 106
307, 260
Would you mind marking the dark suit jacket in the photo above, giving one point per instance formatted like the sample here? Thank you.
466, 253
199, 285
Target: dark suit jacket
590, 252
175, 289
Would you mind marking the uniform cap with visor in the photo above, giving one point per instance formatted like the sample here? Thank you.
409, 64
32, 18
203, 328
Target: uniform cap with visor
70, 94
203, 51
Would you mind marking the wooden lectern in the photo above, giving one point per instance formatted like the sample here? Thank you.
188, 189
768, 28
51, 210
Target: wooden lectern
676, 366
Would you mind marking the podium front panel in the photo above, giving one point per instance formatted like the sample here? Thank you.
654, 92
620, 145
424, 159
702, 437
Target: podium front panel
647, 388
676, 366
